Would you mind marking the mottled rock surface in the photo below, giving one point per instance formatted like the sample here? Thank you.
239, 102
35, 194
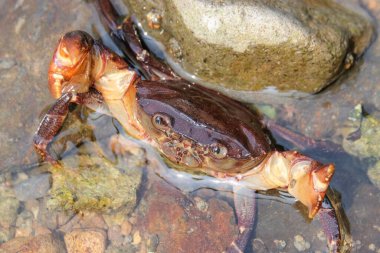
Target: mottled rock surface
178, 223
47, 243
361, 134
83, 241
253, 45
374, 174
93, 184
33, 188
8, 213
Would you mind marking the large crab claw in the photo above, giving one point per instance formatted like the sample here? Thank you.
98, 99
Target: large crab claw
71, 64
309, 180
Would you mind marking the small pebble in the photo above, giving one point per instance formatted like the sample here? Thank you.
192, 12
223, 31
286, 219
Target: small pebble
300, 243
33, 188
258, 246
201, 204
93, 241
321, 236
356, 245
7, 63
372, 247
136, 238
126, 228
153, 243
280, 244
115, 236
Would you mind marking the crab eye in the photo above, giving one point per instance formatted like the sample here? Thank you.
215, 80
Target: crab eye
218, 150
161, 122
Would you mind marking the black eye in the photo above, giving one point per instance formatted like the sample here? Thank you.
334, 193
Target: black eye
218, 150
161, 121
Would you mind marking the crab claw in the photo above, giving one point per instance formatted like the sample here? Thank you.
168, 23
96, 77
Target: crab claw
71, 64
309, 181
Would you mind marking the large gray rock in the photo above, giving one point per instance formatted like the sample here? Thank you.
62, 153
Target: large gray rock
253, 45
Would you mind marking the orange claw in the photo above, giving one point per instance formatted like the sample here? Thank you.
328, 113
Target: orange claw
309, 180
71, 64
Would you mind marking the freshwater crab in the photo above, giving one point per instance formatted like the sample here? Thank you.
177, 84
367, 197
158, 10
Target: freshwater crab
195, 129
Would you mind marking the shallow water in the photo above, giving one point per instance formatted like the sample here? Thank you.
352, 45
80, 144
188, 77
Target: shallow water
200, 220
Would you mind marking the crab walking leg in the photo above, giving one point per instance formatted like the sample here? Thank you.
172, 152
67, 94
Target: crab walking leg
51, 124
330, 225
300, 141
56, 115
245, 208
126, 37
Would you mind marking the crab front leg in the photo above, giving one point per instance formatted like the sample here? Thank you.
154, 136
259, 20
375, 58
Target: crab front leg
56, 115
125, 36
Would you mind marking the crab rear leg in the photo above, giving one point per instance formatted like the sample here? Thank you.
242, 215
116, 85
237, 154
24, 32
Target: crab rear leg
125, 36
300, 141
245, 208
56, 115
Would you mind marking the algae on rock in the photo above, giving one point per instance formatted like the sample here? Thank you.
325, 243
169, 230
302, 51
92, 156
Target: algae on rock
93, 184
361, 134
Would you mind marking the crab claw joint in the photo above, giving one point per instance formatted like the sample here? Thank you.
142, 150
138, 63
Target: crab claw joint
309, 181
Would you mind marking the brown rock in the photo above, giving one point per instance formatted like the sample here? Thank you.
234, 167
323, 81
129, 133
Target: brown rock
178, 223
47, 243
115, 236
126, 228
84, 241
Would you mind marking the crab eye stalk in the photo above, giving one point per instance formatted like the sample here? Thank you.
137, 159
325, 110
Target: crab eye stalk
218, 150
161, 121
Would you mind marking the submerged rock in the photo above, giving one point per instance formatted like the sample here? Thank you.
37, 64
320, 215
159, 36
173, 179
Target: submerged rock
47, 243
93, 184
253, 45
361, 134
33, 188
374, 174
177, 222
8, 213
82, 241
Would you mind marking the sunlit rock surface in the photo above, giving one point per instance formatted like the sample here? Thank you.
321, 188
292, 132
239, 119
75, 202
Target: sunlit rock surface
253, 45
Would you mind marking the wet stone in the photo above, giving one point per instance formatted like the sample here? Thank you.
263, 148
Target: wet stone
126, 228
178, 223
374, 174
279, 244
91, 183
361, 134
253, 45
47, 243
259, 246
8, 207
83, 241
115, 236
24, 224
6, 63
52, 219
33, 188
300, 243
